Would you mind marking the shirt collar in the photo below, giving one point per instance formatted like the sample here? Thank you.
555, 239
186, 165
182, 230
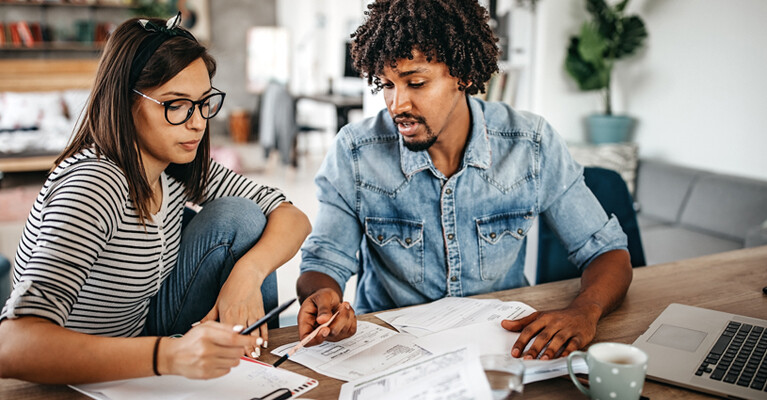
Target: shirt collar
477, 152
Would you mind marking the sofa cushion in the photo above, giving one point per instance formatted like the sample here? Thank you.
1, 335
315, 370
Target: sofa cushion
667, 243
619, 157
726, 205
662, 189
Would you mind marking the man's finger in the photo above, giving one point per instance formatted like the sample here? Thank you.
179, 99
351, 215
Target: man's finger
516, 325
324, 309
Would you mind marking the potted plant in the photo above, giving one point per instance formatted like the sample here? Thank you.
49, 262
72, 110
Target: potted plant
609, 36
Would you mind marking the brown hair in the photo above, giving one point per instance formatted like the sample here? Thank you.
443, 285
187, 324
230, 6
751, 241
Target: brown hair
454, 32
107, 122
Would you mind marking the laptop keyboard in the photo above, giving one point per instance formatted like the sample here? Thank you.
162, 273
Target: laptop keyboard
738, 357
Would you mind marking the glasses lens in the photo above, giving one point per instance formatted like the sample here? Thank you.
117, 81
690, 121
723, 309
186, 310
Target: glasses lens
212, 105
178, 111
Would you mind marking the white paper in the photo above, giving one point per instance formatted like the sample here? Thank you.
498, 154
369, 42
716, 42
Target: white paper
491, 338
452, 312
372, 349
247, 380
453, 375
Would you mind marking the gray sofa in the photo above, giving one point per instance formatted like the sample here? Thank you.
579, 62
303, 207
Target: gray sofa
684, 212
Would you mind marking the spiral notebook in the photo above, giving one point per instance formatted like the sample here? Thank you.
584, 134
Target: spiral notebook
250, 379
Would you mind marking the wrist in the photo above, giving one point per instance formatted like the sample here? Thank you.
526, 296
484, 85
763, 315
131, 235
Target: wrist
593, 310
164, 354
156, 356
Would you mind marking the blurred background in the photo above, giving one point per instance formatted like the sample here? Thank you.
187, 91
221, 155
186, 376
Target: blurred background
695, 90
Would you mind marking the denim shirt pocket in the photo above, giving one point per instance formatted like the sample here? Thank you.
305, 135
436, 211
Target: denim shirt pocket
500, 238
399, 243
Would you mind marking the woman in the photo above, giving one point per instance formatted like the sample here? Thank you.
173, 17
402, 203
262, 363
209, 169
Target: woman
106, 269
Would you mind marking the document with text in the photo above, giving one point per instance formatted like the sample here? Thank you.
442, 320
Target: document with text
491, 338
372, 349
454, 375
453, 312
250, 379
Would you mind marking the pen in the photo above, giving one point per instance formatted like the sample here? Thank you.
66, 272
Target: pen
266, 318
303, 342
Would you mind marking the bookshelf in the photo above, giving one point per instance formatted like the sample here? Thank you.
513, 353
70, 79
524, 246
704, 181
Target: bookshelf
514, 23
31, 29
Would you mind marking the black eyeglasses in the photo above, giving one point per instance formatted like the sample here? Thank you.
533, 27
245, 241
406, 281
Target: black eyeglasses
178, 111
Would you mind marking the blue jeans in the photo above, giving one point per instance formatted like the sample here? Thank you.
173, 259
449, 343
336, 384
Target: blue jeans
211, 242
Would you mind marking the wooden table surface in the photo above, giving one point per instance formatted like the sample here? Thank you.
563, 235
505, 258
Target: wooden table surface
730, 282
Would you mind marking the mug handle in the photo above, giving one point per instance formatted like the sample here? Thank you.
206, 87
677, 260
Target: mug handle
570, 357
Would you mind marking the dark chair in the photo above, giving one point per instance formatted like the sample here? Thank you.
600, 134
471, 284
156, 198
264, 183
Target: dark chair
611, 191
5, 279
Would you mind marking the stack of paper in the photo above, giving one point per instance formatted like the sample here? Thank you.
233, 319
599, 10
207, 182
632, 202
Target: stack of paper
431, 329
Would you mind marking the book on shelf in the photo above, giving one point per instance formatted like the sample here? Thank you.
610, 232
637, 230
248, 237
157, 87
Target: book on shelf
495, 87
2, 34
25, 34
502, 87
510, 88
14, 34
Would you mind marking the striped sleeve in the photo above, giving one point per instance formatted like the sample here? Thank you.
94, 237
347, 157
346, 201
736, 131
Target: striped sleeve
68, 228
225, 182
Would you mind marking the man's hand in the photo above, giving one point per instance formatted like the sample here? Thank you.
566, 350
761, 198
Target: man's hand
318, 309
564, 331
604, 283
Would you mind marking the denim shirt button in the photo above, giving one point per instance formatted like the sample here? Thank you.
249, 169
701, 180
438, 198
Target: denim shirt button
449, 191
492, 235
450, 236
520, 231
408, 240
453, 278
380, 237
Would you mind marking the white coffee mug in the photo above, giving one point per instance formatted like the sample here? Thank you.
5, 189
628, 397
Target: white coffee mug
616, 371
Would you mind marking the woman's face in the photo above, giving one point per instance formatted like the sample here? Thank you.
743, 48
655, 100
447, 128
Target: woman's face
160, 142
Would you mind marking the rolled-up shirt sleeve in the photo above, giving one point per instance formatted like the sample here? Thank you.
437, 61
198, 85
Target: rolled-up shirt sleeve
570, 208
333, 245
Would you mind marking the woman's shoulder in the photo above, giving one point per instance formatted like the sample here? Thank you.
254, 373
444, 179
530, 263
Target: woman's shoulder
89, 170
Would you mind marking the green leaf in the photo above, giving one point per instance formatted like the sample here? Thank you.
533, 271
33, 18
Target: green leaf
588, 76
631, 38
620, 7
592, 45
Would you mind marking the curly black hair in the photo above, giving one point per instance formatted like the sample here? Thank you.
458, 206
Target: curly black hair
454, 32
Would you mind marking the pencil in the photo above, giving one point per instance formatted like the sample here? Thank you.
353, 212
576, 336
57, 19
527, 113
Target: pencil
303, 342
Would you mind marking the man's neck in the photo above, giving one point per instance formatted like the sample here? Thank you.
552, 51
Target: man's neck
447, 152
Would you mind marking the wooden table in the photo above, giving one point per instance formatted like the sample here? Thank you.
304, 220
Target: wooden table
730, 282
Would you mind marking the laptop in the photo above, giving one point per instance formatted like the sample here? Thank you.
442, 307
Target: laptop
709, 351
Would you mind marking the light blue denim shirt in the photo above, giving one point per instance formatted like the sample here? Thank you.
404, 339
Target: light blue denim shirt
414, 235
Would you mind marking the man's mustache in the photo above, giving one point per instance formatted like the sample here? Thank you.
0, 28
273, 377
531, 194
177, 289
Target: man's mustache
408, 117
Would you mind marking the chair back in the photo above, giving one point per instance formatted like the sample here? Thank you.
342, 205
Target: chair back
613, 194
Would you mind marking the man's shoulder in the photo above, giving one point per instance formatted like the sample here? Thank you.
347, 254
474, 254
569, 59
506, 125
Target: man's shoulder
376, 129
504, 121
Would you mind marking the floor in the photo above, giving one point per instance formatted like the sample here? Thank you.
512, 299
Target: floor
18, 191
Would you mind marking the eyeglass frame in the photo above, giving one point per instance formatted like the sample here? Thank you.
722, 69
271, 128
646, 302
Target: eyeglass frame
195, 105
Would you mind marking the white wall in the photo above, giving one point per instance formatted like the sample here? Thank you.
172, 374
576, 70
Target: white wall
699, 88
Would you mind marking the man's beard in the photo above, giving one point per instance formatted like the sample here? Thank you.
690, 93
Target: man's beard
422, 145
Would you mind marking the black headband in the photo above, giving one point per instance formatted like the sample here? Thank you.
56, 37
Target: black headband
157, 36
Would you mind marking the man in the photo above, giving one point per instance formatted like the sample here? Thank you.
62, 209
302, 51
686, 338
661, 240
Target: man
434, 196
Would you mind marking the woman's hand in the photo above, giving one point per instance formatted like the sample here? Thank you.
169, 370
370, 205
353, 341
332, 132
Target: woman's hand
207, 351
240, 303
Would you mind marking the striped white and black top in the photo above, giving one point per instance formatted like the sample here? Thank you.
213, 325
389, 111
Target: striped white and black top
85, 261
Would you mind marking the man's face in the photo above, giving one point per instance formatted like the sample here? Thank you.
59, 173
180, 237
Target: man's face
421, 98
